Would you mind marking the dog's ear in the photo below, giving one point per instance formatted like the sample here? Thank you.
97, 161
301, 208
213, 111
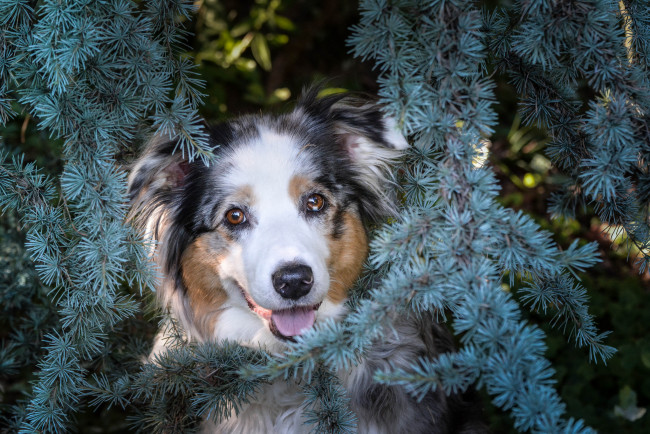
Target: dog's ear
374, 144
371, 140
158, 172
163, 170
159, 204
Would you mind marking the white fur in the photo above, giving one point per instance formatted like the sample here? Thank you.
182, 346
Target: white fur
280, 234
394, 134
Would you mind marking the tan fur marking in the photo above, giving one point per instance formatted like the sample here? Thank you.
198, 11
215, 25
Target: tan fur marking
297, 186
243, 194
347, 255
200, 264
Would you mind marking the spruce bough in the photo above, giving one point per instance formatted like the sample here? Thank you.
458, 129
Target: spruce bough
100, 75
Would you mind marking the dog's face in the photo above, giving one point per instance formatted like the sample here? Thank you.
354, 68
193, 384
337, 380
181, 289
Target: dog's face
268, 239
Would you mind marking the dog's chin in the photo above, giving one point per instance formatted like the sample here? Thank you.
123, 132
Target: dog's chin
285, 324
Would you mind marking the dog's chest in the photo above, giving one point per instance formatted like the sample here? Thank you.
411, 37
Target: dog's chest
276, 408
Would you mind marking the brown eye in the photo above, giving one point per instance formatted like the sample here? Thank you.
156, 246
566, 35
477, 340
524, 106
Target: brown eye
235, 216
315, 202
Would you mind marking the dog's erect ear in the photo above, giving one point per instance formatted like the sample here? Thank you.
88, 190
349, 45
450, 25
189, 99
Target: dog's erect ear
370, 138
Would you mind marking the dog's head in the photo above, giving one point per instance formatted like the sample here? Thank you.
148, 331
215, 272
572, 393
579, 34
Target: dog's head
268, 239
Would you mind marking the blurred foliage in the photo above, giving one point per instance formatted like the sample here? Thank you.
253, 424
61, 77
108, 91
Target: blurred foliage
255, 55
25, 314
240, 44
259, 54
23, 136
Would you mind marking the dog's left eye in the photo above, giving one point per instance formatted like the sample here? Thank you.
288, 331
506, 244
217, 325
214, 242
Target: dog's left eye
315, 202
235, 216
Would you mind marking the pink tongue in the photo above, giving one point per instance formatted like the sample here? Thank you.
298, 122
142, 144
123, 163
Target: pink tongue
292, 322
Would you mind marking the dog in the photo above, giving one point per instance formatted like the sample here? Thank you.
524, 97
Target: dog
267, 240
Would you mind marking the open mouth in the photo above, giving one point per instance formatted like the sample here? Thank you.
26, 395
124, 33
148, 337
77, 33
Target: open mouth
285, 323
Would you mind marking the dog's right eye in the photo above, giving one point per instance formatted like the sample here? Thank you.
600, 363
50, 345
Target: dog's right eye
235, 216
315, 202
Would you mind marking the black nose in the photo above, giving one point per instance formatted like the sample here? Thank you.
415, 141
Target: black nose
293, 281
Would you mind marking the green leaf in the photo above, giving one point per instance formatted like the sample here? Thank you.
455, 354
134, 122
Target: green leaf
261, 51
627, 408
284, 23
645, 358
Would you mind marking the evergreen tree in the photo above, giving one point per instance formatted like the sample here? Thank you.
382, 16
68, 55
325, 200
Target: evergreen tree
91, 73
103, 75
548, 49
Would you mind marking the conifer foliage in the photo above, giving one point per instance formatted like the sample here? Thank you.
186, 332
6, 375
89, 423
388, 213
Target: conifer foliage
91, 73
101, 75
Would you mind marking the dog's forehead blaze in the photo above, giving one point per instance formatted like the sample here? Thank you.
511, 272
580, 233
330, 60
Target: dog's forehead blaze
347, 254
270, 155
200, 264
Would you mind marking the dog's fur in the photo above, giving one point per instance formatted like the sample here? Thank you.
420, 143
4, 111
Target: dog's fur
268, 239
